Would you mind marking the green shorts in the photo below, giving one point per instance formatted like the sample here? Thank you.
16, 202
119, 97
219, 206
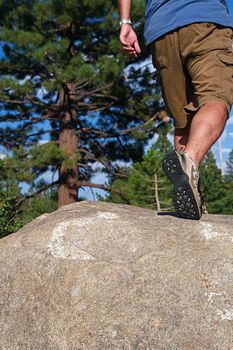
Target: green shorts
195, 66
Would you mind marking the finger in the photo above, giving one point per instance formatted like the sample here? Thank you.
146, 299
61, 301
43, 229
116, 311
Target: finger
130, 48
137, 47
131, 53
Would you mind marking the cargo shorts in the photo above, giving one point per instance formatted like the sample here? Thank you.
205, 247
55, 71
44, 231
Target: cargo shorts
195, 66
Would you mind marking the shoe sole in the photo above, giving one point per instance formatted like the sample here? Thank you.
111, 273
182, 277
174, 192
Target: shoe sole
183, 197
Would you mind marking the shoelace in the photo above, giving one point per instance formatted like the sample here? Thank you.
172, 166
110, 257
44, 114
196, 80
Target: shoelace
195, 175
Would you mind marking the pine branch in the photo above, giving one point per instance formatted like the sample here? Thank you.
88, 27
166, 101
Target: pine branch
94, 91
105, 188
15, 70
34, 194
107, 165
120, 132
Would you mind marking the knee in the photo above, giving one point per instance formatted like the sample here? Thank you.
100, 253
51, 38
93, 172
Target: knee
218, 108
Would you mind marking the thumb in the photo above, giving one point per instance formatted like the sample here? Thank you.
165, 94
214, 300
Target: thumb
123, 40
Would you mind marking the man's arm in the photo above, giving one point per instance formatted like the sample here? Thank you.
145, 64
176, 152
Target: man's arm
124, 9
128, 37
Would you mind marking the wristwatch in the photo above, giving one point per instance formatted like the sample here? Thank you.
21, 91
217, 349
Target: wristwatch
125, 21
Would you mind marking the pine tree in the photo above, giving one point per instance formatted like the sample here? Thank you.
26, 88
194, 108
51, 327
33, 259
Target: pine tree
9, 190
229, 170
63, 75
15, 212
217, 193
139, 186
146, 185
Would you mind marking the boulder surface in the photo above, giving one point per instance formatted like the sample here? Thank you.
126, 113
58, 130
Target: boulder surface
98, 276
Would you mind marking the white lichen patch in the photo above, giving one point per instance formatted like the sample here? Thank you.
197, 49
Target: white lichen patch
114, 333
208, 231
75, 291
211, 296
107, 215
62, 247
226, 314
215, 299
132, 248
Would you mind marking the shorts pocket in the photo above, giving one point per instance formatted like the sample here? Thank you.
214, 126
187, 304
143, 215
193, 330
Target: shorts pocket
226, 58
225, 62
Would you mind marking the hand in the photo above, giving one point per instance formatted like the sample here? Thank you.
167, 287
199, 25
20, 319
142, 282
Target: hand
129, 40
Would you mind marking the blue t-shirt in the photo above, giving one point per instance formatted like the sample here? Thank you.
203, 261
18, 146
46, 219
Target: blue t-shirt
163, 16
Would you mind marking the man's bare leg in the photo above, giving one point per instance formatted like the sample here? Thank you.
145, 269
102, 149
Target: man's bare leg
181, 138
206, 127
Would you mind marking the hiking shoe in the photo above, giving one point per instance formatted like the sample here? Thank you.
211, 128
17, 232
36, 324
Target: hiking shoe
184, 175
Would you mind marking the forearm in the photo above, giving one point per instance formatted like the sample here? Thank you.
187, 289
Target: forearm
128, 37
124, 9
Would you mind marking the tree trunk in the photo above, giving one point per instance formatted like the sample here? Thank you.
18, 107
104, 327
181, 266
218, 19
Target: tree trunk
68, 142
221, 156
157, 193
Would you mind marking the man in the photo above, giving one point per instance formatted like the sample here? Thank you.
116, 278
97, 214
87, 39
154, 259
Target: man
191, 45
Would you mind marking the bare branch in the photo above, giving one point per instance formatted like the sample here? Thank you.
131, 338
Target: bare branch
34, 194
105, 188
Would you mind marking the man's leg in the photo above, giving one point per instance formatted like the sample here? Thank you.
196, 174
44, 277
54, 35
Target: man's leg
206, 127
181, 137
210, 67
191, 144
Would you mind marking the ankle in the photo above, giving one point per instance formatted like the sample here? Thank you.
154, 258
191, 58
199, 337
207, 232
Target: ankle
193, 156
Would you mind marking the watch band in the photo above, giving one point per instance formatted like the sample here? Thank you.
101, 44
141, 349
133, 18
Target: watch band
125, 21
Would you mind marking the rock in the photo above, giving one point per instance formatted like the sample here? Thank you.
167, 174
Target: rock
99, 276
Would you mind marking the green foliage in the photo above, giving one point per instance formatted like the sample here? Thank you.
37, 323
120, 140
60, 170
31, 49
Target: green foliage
229, 175
9, 190
26, 164
63, 58
139, 188
15, 210
218, 194
14, 216
33, 207
8, 221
